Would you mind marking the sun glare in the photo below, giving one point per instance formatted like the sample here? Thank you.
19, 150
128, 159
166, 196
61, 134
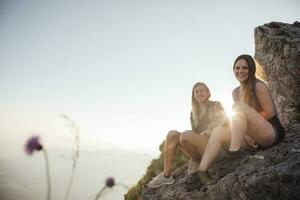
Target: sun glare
230, 113
227, 105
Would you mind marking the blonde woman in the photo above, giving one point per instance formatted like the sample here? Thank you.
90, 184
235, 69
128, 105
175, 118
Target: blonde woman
205, 116
255, 124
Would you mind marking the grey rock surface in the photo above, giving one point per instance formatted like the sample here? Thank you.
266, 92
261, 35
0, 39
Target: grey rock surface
277, 49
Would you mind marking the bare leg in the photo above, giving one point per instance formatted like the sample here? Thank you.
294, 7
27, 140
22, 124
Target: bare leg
249, 121
238, 126
193, 145
219, 136
172, 141
252, 124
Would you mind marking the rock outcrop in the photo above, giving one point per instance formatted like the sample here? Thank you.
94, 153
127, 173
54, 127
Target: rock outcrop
273, 173
277, 49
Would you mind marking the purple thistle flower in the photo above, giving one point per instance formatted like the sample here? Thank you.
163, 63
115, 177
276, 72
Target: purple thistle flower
110, 182
33, 144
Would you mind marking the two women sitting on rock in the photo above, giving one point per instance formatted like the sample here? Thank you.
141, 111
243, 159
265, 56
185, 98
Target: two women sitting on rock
255, 125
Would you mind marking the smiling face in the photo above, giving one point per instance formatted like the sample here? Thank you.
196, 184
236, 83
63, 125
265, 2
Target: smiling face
201, 94
241, 70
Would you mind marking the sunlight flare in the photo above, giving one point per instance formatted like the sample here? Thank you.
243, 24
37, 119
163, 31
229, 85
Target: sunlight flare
230, 113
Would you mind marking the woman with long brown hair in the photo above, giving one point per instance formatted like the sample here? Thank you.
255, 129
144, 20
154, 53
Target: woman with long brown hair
255, 124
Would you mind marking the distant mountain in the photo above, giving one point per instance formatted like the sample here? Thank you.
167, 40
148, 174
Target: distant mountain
23, 177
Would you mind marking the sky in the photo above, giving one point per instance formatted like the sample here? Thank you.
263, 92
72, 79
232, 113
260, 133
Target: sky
123, 70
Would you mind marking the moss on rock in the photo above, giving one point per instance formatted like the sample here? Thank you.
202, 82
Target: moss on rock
155, 168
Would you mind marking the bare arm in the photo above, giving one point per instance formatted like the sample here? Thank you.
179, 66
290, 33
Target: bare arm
235, 94
220, 114
265, 100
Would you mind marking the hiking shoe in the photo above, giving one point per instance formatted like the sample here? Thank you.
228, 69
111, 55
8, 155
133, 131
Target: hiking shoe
192, 167
203, 176
192, 182
161, 180
198, 176
160, 175
192, 178
234, 155
196, 180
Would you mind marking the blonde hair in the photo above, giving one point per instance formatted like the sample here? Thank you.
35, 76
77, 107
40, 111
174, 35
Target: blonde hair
196, 109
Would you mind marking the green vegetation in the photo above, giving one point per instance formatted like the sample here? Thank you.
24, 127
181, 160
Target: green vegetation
155, 168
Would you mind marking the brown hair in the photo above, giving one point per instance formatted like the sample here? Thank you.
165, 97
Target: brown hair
255, 72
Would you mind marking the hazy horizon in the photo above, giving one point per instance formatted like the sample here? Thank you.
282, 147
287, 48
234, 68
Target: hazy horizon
123, 70
23, 177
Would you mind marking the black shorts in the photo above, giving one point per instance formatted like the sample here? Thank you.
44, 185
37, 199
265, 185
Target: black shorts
278, 129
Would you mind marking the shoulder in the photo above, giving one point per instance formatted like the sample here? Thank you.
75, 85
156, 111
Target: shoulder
216, 104
235, 90
213, 102
261, 87
235, 93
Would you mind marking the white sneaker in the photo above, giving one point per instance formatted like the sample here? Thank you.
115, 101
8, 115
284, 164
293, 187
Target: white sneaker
160, 175
161, 180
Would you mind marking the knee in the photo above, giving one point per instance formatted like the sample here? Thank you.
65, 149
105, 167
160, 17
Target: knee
172, 135
187, 132
268, 138
240, 110
217, 133
184, 139
239, 107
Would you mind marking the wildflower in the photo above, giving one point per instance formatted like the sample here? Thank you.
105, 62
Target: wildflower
33, 144
110, 182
